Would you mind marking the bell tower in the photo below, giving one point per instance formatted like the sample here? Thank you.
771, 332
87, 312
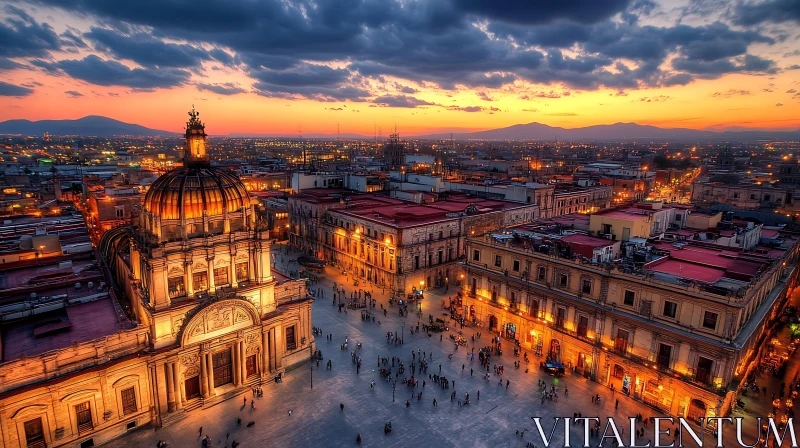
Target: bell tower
195, 155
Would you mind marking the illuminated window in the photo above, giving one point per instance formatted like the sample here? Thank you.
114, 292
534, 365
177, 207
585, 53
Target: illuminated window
242, 272
176, 287
200, 281
221, 276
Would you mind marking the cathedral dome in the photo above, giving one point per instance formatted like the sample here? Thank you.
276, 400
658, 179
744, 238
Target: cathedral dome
188, 192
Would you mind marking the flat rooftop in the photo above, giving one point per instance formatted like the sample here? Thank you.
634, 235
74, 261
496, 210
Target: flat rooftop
88, 321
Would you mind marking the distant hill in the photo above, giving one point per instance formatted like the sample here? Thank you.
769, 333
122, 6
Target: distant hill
614, 132
92, 125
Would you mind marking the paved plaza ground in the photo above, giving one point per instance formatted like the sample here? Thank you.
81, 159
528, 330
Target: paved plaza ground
316, 420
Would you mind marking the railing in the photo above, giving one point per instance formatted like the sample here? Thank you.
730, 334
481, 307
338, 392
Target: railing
697, 288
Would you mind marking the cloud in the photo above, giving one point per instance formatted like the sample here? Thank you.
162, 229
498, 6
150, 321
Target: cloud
791, 91
484, 96
543, 12
753, 13
7, 89
334, 108
654, 99
779, 104
530, 110
730, 93
401, 101
8, 64
227, 88
74, 93
444, 44
21, 35
102, 72
148, 51
466, 108
562, 114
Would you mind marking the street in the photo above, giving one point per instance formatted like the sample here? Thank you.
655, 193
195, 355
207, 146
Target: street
316, 418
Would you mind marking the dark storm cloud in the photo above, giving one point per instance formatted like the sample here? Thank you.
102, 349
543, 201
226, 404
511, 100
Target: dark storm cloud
754, 13
543, 11
94, 70
400, 101
7, 89
283, 45
8, 64
21, 35
221, 89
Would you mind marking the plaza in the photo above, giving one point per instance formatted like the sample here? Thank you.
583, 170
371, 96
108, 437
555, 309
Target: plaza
316, 420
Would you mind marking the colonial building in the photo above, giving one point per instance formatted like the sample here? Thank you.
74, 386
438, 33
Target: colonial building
674, 325
197, 316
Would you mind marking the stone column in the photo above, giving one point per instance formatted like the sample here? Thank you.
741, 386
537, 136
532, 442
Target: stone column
177, 382
236, 360
265, 365
210, 364
211, 286
244, 361
203, 375
187, 266
170, 388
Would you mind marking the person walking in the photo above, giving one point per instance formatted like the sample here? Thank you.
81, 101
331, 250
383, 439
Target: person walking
341, 407
507, 383
200, 432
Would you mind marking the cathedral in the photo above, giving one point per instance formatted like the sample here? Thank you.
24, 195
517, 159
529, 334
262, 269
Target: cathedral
207, 317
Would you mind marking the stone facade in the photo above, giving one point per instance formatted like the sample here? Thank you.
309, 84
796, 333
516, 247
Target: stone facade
649, 339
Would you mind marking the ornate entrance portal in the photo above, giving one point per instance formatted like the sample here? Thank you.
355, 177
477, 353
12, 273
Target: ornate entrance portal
223, 368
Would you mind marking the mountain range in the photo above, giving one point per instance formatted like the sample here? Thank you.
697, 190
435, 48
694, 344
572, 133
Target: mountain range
92, 125
105, 127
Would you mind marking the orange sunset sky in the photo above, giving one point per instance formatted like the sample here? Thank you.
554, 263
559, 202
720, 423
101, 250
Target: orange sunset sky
426, 66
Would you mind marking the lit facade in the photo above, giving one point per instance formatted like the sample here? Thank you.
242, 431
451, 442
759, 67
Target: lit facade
206, 320
681, 349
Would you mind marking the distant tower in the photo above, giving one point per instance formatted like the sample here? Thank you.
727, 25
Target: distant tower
393, 151
726, 160
195, 147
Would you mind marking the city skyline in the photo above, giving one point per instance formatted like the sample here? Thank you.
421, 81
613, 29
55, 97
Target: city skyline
359, 67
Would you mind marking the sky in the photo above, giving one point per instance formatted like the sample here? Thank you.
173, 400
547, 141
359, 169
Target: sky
424, 66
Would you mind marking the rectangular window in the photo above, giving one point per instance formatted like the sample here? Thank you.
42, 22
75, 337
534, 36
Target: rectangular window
83, 415
703, 372
541, 273
535, 308
291, 341
586, 286
621, 342
561, 315
242, 272
710, 320
498, 261
221, 276
175, 287
200, 281
120, 211
516, 266
34, 433
563, 279
664, 355
476, 255
583, 326
629, 298
416, 261
128, 401
670, 309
